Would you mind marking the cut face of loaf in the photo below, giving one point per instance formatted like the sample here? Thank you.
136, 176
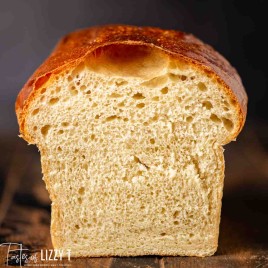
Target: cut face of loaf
131, 150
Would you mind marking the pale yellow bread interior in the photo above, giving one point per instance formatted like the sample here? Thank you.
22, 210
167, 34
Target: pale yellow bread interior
131, 150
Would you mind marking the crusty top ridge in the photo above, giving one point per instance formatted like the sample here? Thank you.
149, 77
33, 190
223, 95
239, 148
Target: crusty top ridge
74, 47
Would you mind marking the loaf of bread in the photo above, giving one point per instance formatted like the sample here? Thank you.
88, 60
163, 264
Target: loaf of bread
130, 123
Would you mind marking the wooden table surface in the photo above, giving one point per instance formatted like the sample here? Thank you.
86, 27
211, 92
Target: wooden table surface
243, 242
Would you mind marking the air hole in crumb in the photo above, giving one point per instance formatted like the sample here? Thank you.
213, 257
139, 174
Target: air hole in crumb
138, 96
228, 124
81, 190
207, 105
79, 199
126, 119
88, 92
176, 223
113, 117
156, 98
77, 226
65, 124
183, 77
226, 103
163, 210
226, 109
140, 105
115, 95
85, 166
146, 124
45, 129
173, 126
59, 149
35, 128
202, 86
58, 89
43, 90
73, 91
94, 105
53, 101
179, 99
128, 146
176, 214
155, 118
60, 131
152, 141
136, 159
121, 83
35, 111
174, 77
189, 119
92, 136
121, 104
83, 87
215, 118
187, 107
164, 90
97, 116
163, 234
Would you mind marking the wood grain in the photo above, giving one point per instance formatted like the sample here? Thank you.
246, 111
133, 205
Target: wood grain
243, 238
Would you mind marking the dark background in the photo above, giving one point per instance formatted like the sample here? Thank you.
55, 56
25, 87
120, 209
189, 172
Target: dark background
29, 29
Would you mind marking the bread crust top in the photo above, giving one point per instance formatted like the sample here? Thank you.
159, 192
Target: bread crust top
74, 47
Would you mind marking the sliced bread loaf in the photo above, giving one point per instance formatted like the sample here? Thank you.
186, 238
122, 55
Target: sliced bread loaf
130, 123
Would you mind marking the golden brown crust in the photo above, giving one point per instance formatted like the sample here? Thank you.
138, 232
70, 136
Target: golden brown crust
74, 47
